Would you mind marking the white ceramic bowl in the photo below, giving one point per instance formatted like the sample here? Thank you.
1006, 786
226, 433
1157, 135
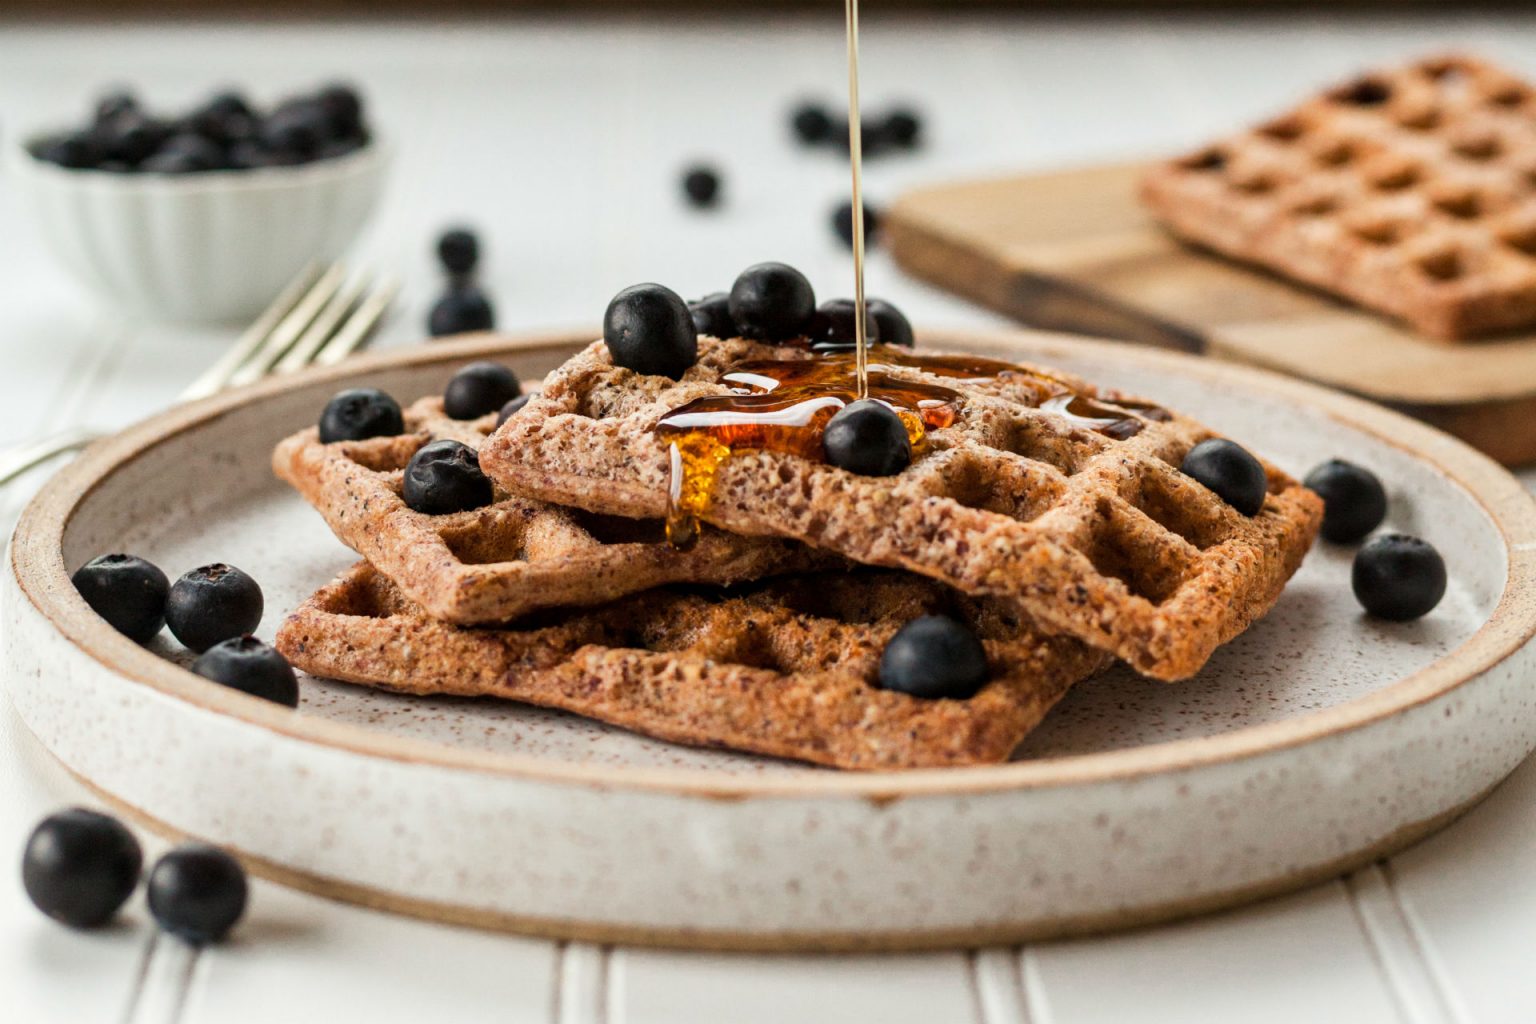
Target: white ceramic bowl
215, 246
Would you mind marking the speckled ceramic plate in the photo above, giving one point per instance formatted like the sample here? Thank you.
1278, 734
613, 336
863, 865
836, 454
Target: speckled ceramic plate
1317, 740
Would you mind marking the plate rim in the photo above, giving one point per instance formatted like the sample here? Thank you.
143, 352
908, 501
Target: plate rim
39, 571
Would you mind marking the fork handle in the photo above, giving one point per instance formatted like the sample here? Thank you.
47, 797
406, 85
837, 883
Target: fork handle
16, 461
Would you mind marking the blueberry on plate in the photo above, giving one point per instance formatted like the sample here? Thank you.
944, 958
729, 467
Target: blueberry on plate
460, 311
1228, 469
701, 185
895, 328
812, 124
511, 408
479, 388
1398, 577
649, 329
458, 250
772, 302
197, 892
835, 325
868, 438
934, 657
444, 477
842, 223
246, 664
127, 591
213, 603
79, 867
712, 316
1354, 502
357, 414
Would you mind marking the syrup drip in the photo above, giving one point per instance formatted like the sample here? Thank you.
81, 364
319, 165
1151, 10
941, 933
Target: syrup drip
1107, 420
856, 170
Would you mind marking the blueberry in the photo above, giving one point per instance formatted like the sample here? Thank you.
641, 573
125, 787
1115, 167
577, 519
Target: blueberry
458, 250
335, 148
197, 892
508, 410
173, 162
649, 329
250, 666
812, 123
298, 128
903, 127
132, 138
248, 154
1398, 577
444, 477
357, 414
127, 591
873, 141
479, 388
1230, 471
701, 185
76, 150
213, 603
712, 316
835, 325
772, 302
1354, 502
79, 867
868, 438
895, 328
186, 152
934, 657
842, 223
229, 103
460, 311
343, 109
114, 104
223, 120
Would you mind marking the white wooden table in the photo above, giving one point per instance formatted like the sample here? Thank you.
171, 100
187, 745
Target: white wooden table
561, 140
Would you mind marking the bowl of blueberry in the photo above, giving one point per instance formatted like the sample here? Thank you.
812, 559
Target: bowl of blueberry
205, 215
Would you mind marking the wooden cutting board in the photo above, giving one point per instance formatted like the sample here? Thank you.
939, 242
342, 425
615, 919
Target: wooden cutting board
1074, 251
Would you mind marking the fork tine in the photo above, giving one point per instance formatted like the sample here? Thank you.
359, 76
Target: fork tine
218, 375
360, 325
325, 325
292, 326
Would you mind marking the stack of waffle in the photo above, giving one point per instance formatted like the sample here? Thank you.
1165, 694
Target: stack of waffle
1059, 544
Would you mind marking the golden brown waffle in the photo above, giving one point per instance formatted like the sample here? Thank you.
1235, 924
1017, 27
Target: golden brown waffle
1410, 191
1100, 539
782, 667
494, 563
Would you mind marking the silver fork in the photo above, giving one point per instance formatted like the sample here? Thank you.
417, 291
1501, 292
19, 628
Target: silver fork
320, 317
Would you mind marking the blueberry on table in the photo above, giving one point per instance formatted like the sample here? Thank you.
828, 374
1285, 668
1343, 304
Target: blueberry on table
903, 127
1398, 577
213, 603
842, 223
812, 124
701, 185
712, 316
868, 438
1354, 502
479, 388
772, 302
934, 657
648, 329
445, 477
1228, 469
79, 867
357, 414
127, 591
511, 408
835, 325
458, 249
245, 663
461, 311
197, 892
895, 328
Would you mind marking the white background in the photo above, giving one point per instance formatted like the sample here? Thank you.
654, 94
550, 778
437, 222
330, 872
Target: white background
561, 141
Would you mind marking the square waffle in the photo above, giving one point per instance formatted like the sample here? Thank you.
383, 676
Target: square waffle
1410, 191
494, 563
1097, 538
782, 667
